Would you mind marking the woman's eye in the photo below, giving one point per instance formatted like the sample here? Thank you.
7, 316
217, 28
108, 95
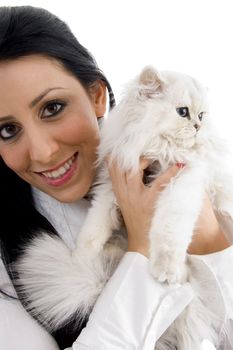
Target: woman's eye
183, 112
8, 131
52, 109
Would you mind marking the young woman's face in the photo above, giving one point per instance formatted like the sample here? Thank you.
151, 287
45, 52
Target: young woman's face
48, 126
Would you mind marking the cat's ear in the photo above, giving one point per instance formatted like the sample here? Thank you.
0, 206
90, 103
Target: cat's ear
151, 83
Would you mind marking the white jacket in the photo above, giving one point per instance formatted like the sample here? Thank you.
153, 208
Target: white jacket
133, 310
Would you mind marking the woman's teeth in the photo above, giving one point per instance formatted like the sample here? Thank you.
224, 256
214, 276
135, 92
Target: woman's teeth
60, 171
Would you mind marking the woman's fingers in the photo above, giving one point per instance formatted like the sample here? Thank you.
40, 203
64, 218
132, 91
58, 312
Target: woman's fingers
119, 175
162, 180
131, 183
137, 201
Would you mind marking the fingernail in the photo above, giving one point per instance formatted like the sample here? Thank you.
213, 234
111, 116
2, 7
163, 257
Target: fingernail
180, 165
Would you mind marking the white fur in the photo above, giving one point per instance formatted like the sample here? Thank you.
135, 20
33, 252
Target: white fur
145, 123
59, 287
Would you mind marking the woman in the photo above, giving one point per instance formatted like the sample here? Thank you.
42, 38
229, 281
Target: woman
52, 96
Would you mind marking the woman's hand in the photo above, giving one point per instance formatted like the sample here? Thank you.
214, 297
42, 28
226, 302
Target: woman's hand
137, 202
208, 236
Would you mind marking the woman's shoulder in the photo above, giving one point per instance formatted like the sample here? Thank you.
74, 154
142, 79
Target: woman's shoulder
28, 334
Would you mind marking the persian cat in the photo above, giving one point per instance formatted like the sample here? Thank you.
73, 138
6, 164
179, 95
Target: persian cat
163, 116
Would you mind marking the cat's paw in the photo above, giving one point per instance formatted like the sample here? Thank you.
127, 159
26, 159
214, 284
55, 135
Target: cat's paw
168, 267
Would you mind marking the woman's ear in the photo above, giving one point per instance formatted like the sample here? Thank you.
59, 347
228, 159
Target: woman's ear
99, 98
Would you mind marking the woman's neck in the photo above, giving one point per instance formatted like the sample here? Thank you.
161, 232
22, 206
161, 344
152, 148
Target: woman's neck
66, 218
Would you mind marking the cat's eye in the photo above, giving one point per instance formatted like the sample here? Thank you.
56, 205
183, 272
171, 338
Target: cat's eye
183, 112
200, 116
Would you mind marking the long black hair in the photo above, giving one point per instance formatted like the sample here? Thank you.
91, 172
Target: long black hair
26, 30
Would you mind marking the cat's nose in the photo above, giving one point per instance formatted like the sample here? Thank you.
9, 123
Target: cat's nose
197, 126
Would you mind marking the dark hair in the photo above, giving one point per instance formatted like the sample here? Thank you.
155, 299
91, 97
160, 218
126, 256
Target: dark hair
25, 30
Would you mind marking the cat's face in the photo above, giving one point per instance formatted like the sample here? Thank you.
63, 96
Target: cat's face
175, 104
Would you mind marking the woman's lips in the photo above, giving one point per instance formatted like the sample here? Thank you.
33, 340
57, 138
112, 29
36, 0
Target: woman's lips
61, 175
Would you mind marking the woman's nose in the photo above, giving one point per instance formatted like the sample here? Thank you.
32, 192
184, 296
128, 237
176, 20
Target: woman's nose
42, 147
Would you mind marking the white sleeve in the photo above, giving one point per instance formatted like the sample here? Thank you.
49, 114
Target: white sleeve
133, 310
220, 263
18, 330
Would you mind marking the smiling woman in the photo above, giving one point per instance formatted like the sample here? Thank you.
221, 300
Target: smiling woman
51, 98
52, 95
51, 132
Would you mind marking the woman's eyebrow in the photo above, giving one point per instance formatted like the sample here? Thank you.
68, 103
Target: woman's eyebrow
6, 118
32, 103
42, 95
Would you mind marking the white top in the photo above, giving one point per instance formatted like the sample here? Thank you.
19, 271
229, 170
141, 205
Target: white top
133, 309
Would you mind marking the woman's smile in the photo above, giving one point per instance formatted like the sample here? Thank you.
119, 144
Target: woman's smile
61, 174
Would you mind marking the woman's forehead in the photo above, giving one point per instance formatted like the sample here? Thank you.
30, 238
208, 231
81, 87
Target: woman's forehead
32, 66
26, 78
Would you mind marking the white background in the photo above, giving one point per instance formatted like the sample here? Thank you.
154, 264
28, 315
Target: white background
191, 36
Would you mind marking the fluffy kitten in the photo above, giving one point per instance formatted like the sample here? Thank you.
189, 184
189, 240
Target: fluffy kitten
162, 117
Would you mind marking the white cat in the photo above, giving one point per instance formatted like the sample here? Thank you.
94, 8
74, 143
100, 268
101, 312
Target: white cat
163, 116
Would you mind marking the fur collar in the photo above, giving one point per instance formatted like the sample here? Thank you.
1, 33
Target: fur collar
56, 288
